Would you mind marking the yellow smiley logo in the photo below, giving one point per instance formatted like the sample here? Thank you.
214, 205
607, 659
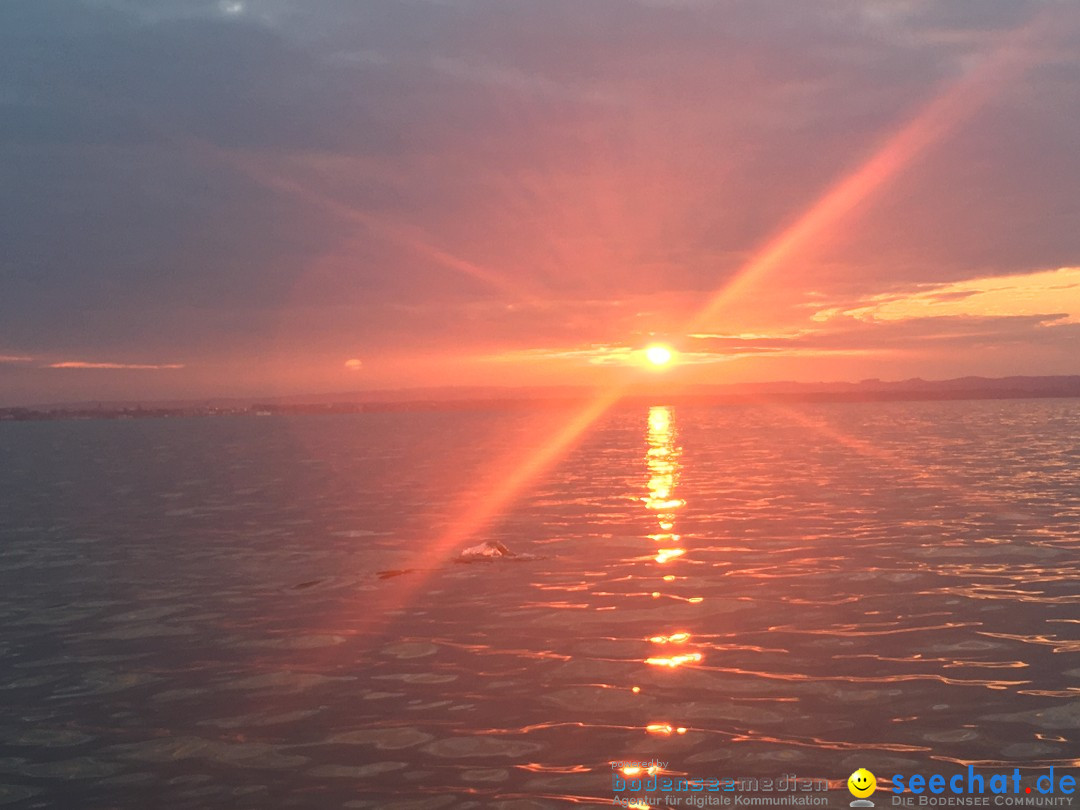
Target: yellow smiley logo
861, 783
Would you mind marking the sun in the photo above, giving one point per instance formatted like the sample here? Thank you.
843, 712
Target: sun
658, 355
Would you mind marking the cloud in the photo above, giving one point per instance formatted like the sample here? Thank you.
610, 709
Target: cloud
1053, 294
956, 337
115, 366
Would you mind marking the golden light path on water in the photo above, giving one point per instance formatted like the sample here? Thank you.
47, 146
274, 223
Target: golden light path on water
663, 463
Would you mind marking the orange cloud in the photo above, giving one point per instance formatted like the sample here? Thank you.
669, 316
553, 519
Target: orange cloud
354, 364
114, 366
1049, 292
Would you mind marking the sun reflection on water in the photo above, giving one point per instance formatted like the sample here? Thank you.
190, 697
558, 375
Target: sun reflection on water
674, 638
673, 661
664, 729
666, 554
663, 460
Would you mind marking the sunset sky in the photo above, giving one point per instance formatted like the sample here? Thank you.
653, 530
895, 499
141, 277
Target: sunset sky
260, 197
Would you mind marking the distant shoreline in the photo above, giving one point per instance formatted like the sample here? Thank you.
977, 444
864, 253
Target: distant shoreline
895, 392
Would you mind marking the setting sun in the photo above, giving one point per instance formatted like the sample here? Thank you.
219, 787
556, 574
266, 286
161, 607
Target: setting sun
658, 355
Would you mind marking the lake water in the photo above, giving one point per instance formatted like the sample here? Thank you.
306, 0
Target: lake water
266, 612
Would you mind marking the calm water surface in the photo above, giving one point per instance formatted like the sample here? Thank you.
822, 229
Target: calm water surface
266, 612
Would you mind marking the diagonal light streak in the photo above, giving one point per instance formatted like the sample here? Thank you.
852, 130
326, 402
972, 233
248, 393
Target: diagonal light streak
936, 120
406, 236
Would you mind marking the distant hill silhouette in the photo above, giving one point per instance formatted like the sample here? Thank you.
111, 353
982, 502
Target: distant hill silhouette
520, 398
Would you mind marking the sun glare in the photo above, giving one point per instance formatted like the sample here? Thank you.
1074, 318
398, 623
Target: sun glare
658, 355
